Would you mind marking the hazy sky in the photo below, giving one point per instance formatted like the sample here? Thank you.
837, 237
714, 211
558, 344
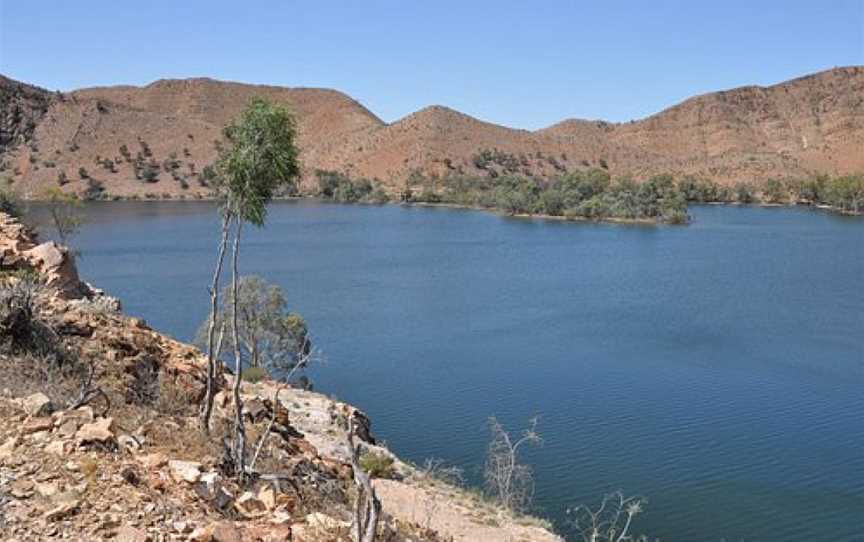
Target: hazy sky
522, 63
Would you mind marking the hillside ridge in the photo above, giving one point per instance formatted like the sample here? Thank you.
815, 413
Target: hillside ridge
798, 128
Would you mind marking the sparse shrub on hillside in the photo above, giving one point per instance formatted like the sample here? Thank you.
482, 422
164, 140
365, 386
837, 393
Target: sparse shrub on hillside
145, 149
744, 193
611, 520
255, 374
95, 190
845, 194
485, 158
65, 211
22, 327
339, 187
10, 202
62, 179
124, 152
82, 173
171, 163
270, 336
150, 174
603, 163
508, 480
377, 465
774, 191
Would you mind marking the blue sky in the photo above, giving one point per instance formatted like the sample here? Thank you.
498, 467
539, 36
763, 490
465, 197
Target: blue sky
520, 63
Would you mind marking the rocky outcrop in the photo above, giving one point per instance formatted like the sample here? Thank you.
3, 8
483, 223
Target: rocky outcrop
55, 264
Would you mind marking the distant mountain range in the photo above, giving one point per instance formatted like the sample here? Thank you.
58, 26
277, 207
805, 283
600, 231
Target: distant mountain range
156, 139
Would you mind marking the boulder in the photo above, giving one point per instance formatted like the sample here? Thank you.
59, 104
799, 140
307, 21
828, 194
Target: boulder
131, 534
58, 447
201, 534
181, 527
250, 505
223, 531
208, 485
153, 461
37, 404
255, 410
226, 532
37, 425
128, 443
7, 449
80, 416
100, 431
63, 510
68, 429
323, 522
47, 489
268, 497
56, 264
185, 471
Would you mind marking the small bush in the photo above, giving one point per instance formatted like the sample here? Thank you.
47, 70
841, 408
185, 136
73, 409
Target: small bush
255, 374
22, 328
150, 174
377, 465
10, 203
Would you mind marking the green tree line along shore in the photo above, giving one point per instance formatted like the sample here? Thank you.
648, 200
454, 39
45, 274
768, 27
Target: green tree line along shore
585, 194
593, 194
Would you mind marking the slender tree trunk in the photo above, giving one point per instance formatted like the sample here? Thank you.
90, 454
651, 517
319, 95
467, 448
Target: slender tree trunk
239, 428
367, 507
207, 405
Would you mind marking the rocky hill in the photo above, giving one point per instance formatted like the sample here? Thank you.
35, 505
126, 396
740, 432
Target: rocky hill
99, 438
156, 139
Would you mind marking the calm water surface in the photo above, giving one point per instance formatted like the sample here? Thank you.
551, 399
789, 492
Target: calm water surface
717, 369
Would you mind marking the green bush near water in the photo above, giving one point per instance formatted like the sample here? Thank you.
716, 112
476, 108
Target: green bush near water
587, 194
592, 194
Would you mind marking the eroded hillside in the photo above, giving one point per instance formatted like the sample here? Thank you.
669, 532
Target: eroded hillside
157, 139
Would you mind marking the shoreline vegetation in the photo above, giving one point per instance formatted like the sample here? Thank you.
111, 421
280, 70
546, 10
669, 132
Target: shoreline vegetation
583, 196
593, 195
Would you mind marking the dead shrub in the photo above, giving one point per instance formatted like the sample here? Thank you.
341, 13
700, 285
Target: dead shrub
27, 373
23, 328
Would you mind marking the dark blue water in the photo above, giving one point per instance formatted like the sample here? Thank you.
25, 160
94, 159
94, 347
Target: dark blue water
717, 369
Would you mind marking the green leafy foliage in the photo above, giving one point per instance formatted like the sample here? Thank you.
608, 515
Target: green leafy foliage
587, 194
377, 465
339, 187
259, 160
270, 337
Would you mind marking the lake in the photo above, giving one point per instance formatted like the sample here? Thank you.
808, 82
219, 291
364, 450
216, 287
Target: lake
716, 369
